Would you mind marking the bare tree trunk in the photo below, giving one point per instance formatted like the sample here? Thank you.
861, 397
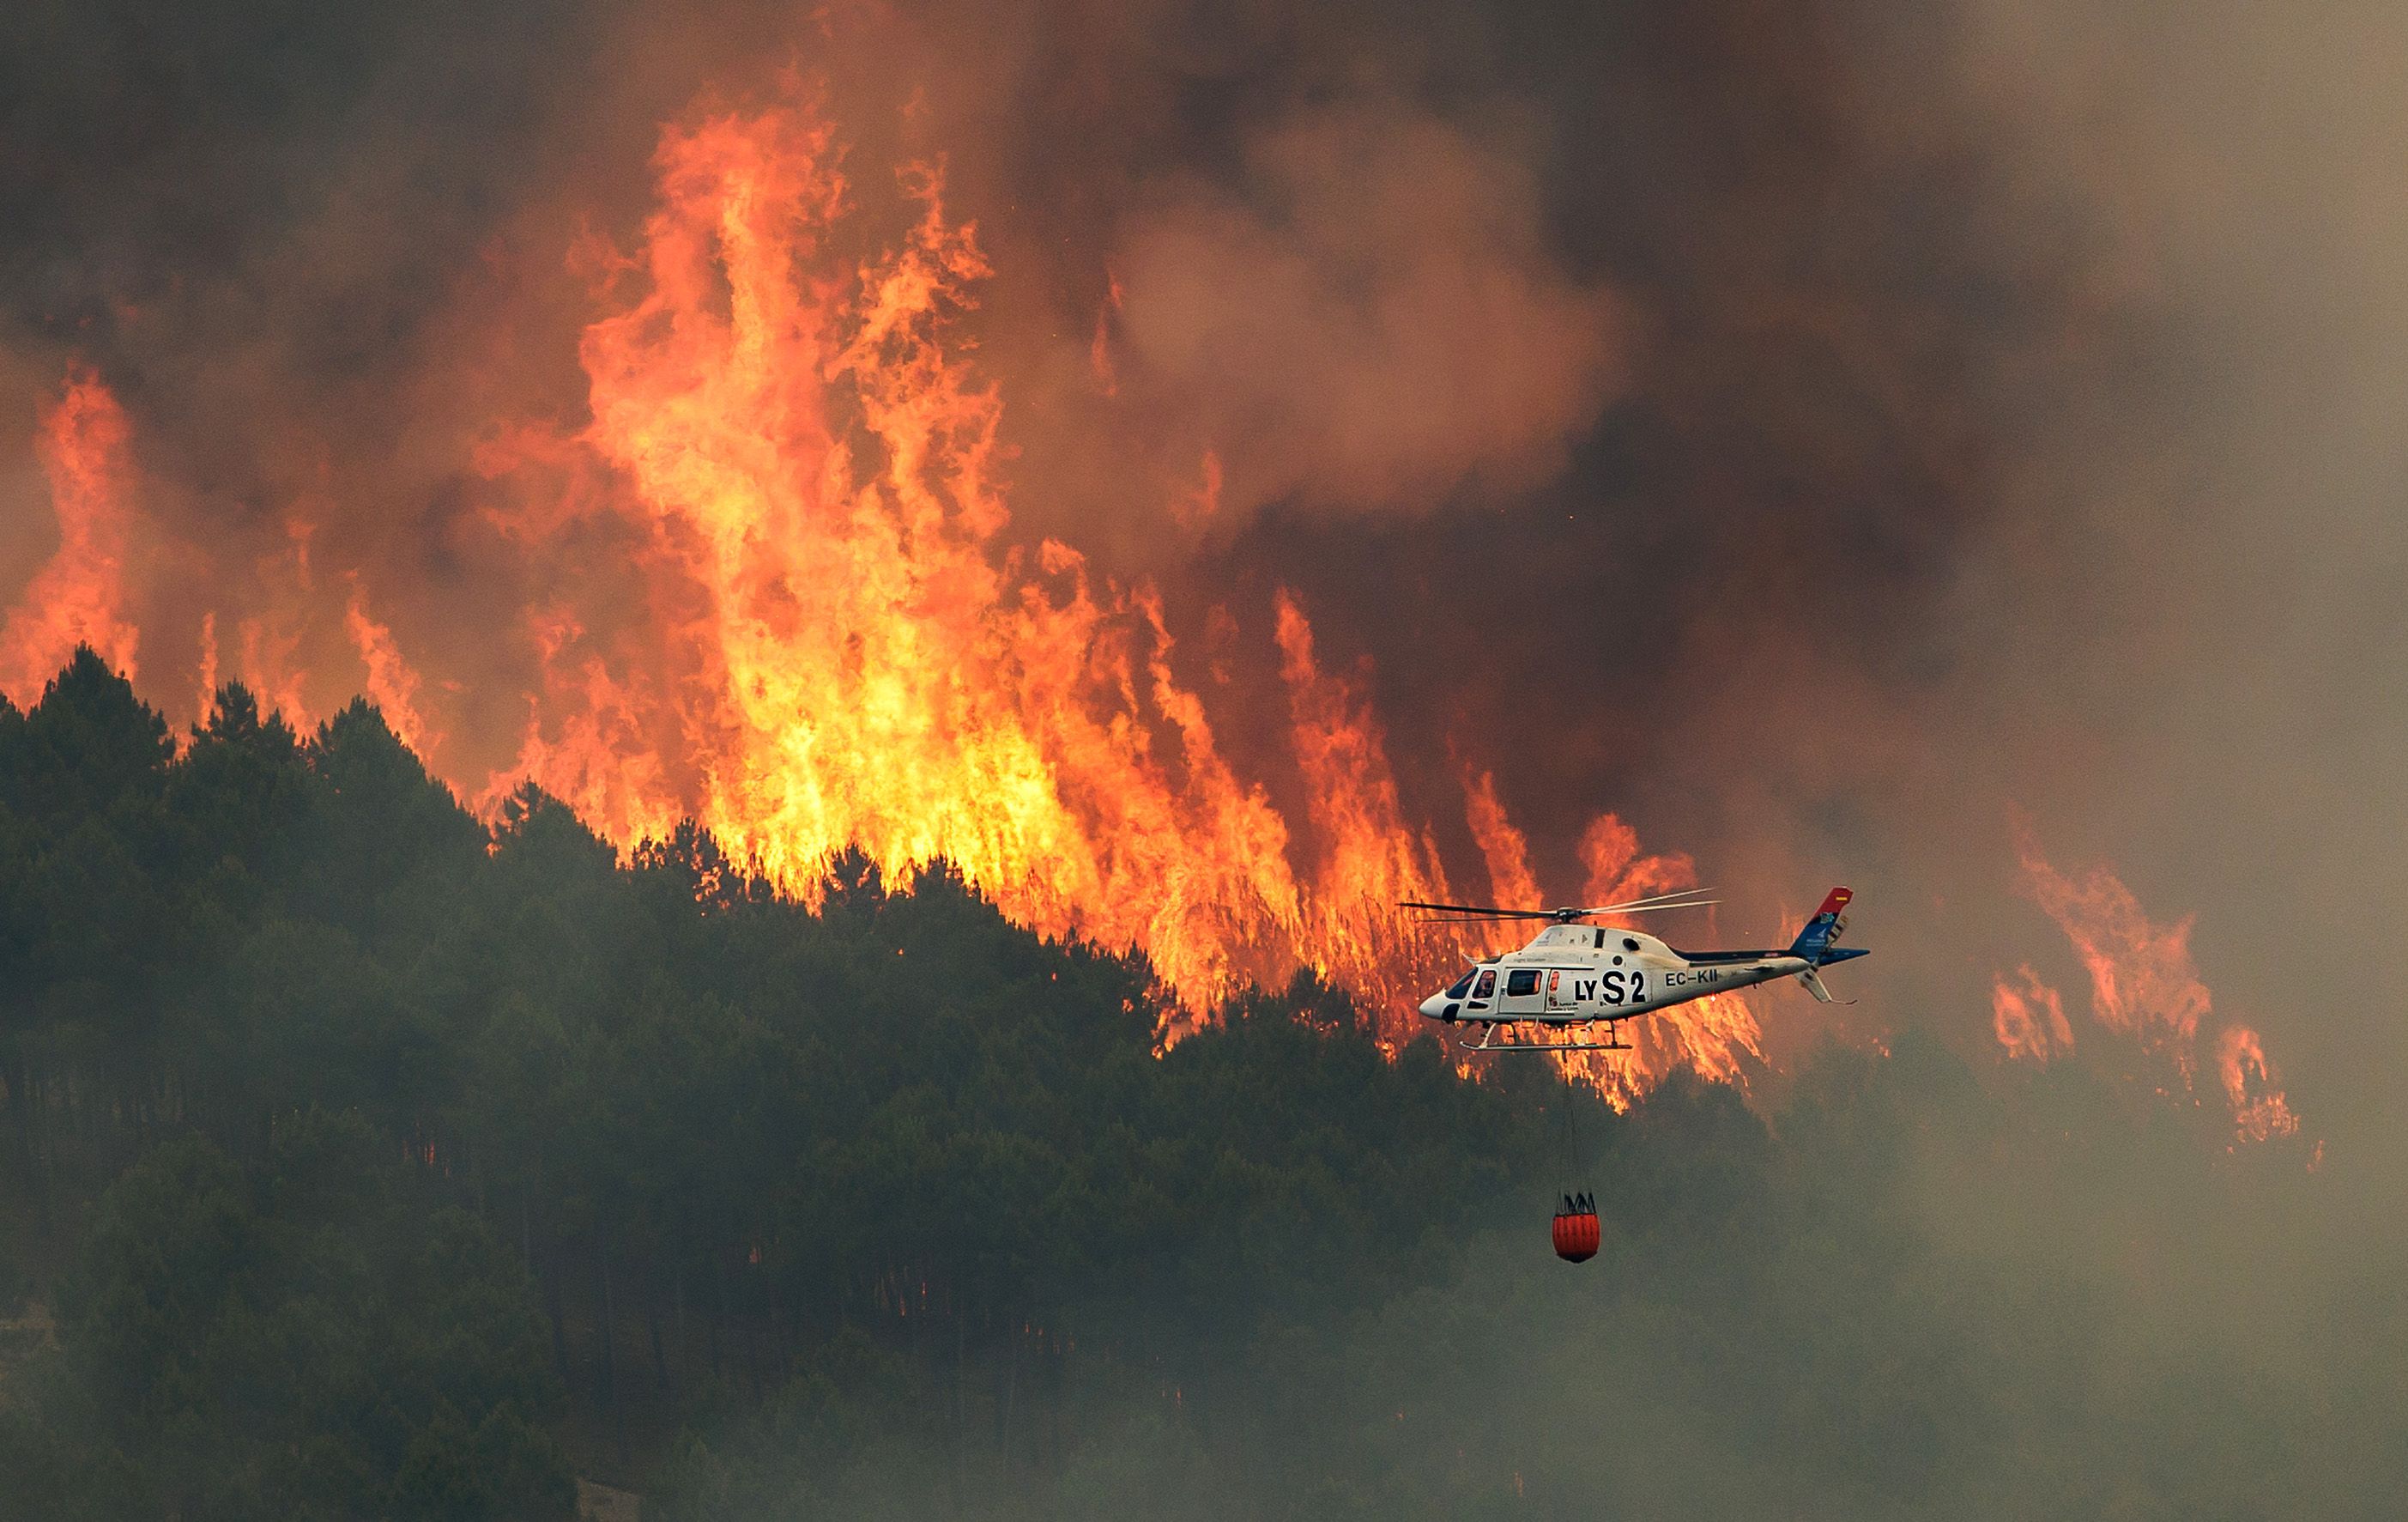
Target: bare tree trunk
25, 1113
719, 1274
652, 1325
609, 1350
1010, 1392
550, 1274
961, 1395
677, 1297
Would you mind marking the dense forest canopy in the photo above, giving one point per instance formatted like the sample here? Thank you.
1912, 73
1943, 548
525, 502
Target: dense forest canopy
363, 1159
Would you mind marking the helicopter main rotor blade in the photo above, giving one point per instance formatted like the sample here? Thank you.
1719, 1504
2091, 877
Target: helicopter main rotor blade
1682, 899
1645, 909
1474, 913
1486, 912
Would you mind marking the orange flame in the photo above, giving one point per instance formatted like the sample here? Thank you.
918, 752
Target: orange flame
1617, 872
2029, 1021
78, 598
1511, 881
595, 754
207, 702
391, 682
1203, 505
2144, 983
268, 644
1099, 349
2259, 1112
1369, 859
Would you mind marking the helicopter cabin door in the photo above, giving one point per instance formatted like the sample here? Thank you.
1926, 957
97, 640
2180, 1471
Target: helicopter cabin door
1523, 995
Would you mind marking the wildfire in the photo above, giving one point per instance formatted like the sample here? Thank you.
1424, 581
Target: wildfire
2030, 1020
78, 596
816, 635
852, 657
390, 681
2143, 983
1508, 854
270, 645
2259, 1110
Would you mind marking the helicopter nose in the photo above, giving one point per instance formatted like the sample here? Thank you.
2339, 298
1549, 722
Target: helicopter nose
1430, 1006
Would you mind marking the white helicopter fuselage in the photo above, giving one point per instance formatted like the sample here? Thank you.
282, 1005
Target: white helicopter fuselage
1575, 974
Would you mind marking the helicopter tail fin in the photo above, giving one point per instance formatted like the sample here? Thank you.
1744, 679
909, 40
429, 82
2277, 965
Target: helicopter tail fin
1815, 942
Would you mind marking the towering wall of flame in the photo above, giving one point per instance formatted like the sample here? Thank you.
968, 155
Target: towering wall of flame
845, 659
819, 632
78, 596
842, 650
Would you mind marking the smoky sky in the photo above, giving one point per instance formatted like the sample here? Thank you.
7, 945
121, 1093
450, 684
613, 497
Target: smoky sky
1813, 429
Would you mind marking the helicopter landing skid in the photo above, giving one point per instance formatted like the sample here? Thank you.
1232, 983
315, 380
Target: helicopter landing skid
1488, 1041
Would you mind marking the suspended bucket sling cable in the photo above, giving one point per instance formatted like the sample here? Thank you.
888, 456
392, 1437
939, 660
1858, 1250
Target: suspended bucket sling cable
1576, 1230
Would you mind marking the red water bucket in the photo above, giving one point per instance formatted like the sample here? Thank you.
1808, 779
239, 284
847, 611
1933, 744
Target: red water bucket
1576, 1235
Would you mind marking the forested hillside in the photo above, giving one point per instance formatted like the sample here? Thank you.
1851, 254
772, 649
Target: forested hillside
363, 1161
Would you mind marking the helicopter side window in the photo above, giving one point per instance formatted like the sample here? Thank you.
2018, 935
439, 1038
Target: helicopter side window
1521, 983
1461, 986
1487, 983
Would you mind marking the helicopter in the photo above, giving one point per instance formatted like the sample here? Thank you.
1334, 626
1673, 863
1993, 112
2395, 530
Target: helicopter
1573, 977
